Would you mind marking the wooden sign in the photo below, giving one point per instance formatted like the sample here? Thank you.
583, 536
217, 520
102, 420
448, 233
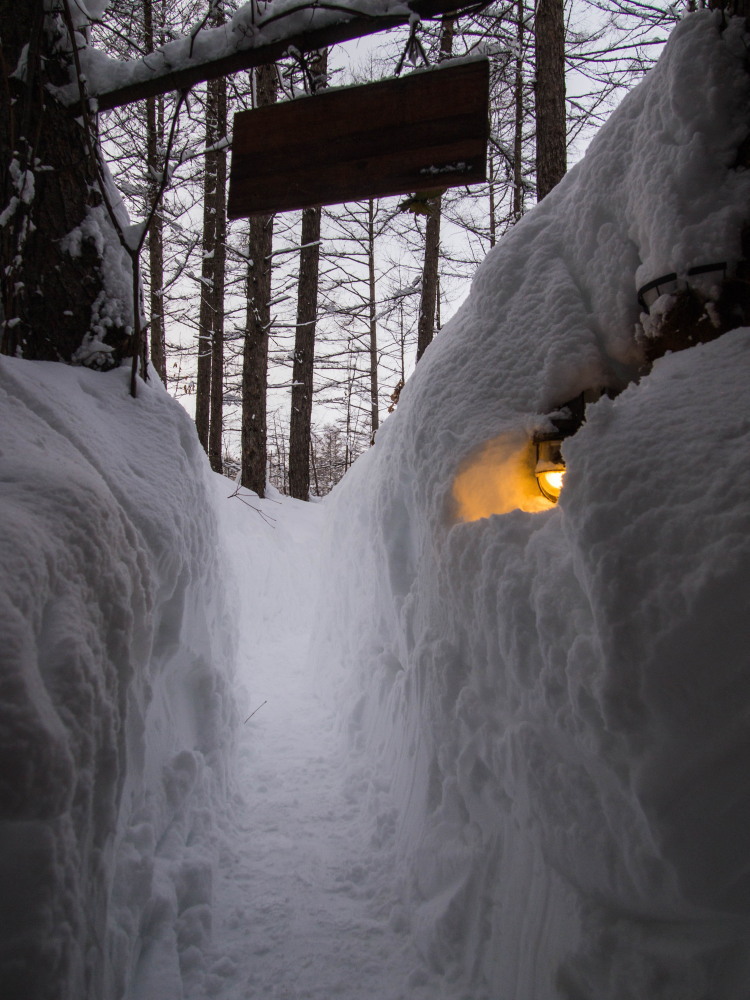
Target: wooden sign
423, 131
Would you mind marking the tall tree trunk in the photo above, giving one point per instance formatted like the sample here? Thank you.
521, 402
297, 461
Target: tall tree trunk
255, 355
348, 421
551, 150
211, 281
518, 192
373, 323
300, 423
216, 425
53, 288
205, 317
304, 357
493, 206
156, 294
429, 291
314, 465
428, 296
155, 138
254, 433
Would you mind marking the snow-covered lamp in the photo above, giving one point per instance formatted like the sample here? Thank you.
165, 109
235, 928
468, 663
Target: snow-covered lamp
550, 467
566, 421
708, 275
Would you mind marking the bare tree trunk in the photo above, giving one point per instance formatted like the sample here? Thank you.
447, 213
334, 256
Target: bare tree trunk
551, 149
216, 424
348, 424
300, 423
50, 274
205, 317
156, 294
279, 465
255, 355
258, 320
428, 297
304, 357
211, 280
493, 207
155, 136
374, 409
314, 465
518, 198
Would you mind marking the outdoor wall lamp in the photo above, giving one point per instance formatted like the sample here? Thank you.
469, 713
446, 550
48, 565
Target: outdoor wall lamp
550, 467
518, 470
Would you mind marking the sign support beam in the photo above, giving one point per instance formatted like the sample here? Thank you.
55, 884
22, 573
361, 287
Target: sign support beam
340, 27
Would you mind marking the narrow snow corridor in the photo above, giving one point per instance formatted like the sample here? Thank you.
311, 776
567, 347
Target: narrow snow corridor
501, 758
305, 904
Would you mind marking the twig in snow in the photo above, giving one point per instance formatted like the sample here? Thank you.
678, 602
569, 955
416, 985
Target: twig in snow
271, 521
253, 713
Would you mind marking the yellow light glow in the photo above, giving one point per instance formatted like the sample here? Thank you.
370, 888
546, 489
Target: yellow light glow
497, 478
551, 481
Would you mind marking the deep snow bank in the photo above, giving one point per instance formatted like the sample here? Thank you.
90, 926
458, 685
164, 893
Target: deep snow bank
558, 699
115, 706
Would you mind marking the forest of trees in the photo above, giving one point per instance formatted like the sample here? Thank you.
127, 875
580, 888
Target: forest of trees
288, 336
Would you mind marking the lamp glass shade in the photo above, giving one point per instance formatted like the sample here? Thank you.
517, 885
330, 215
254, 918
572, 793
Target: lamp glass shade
550, 468
551, 483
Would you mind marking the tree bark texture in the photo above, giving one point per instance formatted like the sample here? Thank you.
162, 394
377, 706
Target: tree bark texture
156, 296
304, 357
428, 296
210, 291
216, 424
255, 355
373, 323
205, 316
300, 422
155, 138
518, 199
429, 291
491, 192
551, 145
53, 289
254, 433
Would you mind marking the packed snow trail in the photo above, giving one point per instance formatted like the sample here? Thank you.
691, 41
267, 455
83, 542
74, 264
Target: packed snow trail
305, 905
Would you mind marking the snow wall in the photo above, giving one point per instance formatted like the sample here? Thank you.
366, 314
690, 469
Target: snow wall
116, 711
556, 700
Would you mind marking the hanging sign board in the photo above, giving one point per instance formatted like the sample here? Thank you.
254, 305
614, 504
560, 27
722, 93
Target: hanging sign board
419, 132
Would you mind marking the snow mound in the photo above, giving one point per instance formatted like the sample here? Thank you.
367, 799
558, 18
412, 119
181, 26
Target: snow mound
557, 699
116, 707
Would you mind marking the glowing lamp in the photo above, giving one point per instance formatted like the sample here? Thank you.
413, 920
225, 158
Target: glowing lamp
550, 467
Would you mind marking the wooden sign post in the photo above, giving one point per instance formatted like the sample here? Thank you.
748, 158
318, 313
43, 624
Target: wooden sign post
419, 132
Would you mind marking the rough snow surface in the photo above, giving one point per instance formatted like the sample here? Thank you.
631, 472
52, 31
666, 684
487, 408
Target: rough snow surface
140, 859
500, 751
557, 699
307, 904
116, 714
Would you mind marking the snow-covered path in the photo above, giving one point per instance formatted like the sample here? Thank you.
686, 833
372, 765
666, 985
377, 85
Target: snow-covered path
305, 905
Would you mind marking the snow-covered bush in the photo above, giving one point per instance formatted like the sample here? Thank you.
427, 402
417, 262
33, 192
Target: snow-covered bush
556, 699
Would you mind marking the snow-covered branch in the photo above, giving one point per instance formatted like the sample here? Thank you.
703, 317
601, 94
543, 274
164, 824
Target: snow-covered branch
248, 39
